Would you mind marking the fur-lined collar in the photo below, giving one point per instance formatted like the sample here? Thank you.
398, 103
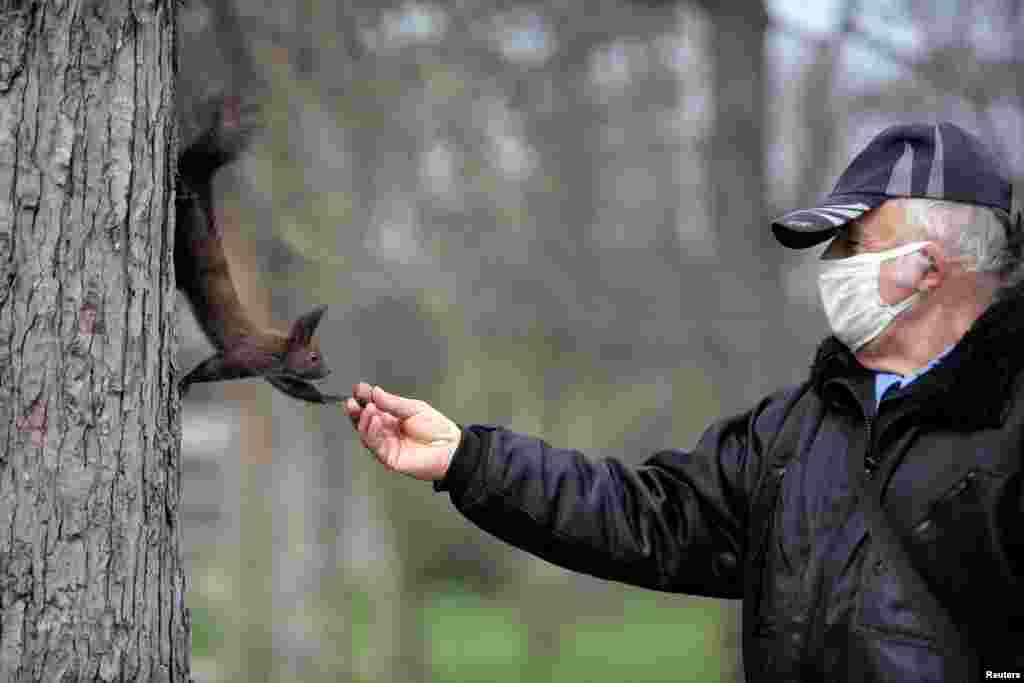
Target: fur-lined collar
969, 387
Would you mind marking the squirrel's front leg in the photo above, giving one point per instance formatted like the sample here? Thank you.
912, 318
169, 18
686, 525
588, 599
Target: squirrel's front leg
302, 390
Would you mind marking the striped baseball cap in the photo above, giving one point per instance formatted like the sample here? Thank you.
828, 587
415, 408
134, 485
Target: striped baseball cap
940, 161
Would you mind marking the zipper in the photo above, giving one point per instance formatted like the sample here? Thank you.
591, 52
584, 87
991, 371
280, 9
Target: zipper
958, 488
819, 608
924, 527
871, 462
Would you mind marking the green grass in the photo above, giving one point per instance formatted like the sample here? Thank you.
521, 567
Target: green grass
473, 639
651, 643
650, 638
207, 633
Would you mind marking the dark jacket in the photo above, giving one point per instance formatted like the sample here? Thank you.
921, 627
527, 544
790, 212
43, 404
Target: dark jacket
829, 607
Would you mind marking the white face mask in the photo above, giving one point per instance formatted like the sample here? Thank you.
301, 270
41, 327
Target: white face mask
853, 302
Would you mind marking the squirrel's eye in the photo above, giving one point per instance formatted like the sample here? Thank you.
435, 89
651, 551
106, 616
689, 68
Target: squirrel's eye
314, 357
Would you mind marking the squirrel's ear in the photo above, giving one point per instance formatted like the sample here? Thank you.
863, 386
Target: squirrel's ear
303, 328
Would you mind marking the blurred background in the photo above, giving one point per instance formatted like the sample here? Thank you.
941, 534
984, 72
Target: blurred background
548, 215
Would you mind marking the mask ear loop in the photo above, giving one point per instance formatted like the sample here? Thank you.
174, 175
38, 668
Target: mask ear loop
1015, 246
1015, 238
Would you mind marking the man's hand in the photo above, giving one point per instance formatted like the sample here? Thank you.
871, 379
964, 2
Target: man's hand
404, 434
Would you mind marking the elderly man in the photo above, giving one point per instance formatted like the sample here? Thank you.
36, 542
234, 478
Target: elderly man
872, 518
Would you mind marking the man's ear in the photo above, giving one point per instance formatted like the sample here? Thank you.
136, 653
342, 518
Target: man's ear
934, 266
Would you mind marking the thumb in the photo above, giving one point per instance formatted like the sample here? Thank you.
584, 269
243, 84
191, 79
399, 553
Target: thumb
398, 406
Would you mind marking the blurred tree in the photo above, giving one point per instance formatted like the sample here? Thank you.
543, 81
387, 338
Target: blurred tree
750, 259
215, 60
549, 217
91, 579
736, 154
961, 60
820, 117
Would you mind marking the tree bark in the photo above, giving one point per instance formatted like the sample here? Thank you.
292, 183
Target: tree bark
91, 578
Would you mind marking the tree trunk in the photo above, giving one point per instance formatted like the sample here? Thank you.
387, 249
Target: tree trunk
91, 579
748, 280
751, 258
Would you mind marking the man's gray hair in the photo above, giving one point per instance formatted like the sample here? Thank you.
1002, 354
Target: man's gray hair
978, 234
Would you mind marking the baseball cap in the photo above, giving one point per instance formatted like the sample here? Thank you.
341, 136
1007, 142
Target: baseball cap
937, 161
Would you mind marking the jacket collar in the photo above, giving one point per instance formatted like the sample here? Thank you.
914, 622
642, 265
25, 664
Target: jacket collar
969, 388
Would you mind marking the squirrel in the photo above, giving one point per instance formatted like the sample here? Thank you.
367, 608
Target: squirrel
287, 361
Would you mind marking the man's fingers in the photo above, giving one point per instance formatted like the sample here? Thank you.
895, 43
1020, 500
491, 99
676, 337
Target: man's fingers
361, 392
364, 421
398, 406
367, 421
389, 423
380, 436
353, 410
373, 434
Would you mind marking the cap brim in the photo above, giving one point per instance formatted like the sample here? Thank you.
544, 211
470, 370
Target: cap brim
804, 228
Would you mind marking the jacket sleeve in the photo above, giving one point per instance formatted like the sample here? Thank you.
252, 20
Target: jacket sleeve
676, 523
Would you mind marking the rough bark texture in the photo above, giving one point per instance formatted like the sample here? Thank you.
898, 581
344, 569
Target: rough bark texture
91, 580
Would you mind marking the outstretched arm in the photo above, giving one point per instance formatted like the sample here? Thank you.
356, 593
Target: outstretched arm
676, 523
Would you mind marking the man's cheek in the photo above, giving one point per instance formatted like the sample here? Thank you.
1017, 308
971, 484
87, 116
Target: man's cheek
899, 279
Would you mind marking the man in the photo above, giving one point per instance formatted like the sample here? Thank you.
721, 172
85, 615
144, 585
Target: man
882, 537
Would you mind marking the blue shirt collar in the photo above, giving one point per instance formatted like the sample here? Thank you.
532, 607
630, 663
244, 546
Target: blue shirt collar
884, 380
